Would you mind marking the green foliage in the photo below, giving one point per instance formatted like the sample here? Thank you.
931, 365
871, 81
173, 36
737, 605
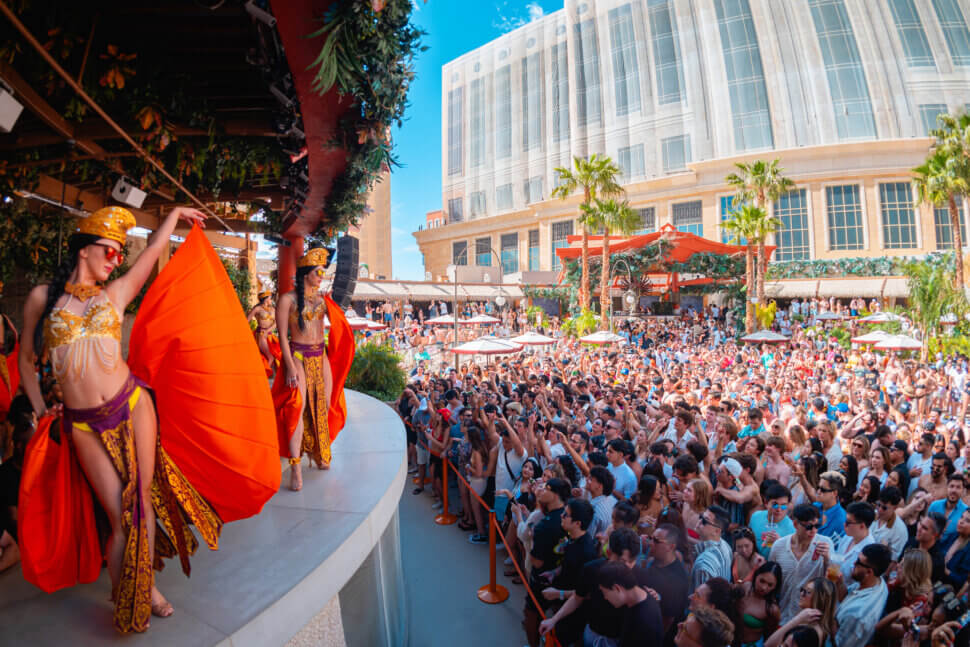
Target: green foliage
29, 240
533, 314
933, 293
759, 182
840, 267
368, 55
842, 336
958, 344
377, 372
582, 324
240, 282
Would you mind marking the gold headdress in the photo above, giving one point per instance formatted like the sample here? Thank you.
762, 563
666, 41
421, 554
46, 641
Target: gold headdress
317, 257
264, 294
112, 223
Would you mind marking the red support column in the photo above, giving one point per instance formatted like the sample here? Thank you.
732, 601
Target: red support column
286, 264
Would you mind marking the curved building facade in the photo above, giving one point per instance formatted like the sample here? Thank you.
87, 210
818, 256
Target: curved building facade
843, 92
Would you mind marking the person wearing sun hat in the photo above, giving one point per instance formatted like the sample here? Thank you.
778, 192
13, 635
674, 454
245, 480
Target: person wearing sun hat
308, 391
210, 462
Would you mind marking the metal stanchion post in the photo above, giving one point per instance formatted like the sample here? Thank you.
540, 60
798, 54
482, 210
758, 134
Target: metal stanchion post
492, 593
445, 518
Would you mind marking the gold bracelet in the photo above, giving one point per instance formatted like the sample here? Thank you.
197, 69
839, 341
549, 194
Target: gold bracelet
295, 460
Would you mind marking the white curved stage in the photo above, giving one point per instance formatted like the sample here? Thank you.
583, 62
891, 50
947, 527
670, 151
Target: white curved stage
273, 573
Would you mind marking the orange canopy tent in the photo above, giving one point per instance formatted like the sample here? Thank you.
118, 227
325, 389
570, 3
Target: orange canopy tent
682, 245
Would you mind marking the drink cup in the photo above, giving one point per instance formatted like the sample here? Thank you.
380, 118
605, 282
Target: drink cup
833, 572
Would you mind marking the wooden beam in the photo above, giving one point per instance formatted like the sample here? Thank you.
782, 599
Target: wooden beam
216, 238
44, 111
88, 200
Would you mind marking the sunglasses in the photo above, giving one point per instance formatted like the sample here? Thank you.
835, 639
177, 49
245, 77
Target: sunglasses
810, 526
804, 591
706, 522
825, 490
111, 254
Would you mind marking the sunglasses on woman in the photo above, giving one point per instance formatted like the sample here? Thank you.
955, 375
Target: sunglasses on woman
111, 254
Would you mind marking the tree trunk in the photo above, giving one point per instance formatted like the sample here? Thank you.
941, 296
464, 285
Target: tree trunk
760, 280
605, 293
584, 279
957, 241
749, 281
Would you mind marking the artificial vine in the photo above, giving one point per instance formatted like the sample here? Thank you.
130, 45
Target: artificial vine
367, 54
839, 267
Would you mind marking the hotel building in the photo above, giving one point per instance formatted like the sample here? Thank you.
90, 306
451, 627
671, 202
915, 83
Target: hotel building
842, 92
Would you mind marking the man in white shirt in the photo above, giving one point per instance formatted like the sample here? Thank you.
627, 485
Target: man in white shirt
889, 530
920, 462
600, 488
862, 603
858, 517
802, 557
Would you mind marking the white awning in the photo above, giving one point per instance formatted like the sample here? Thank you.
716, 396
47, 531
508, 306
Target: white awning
789, 289
841, 288
851, 288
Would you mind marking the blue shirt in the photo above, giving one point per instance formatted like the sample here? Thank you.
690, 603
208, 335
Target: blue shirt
624, 479
749, 431
951, 521
759, 525
833, 521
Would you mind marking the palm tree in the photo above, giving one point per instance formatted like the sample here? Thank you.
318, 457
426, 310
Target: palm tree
933, 292
596, 177
946, 174
609, 216
743, 224
759, 183
765, 224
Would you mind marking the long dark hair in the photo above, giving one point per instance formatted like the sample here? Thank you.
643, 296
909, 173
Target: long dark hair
773, 568
301, 273
55, 289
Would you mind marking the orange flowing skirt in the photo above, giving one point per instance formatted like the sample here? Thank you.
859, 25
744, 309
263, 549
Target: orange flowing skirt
192, 344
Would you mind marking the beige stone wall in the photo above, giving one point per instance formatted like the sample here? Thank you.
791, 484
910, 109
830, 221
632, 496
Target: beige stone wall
374, 232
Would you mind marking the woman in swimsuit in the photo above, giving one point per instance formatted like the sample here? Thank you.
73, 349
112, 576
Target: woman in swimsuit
746, 559
758, 608
79, 323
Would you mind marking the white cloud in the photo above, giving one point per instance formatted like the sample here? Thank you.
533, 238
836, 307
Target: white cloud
508, 20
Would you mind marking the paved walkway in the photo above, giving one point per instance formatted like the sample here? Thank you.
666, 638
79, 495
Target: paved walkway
442, 575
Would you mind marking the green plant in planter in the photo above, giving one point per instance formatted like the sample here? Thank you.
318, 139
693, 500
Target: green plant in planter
377, 372
582, 324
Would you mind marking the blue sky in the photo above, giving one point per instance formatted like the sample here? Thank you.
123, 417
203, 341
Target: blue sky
453, 28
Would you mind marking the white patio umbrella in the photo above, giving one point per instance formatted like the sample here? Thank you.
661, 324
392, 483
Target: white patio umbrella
873, 337
487, 345
374, 325
532, 338
898, 342
828, 316
442, 320
881, 317
765, 337
481, 320
359, 323
602, 337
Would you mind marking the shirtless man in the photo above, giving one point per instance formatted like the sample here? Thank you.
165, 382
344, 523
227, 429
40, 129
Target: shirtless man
935, 482
775, 466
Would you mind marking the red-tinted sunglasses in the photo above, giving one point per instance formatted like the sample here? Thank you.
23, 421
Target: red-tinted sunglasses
111, 254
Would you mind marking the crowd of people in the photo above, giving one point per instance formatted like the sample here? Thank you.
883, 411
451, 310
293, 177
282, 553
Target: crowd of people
681, 488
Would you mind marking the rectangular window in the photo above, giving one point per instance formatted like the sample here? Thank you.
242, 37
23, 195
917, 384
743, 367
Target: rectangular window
928, 113
503, 113
476, 204
630, 160
476, 126
944, 230
843, 67
954, 26
745, 76
533, 189
483, 252
687, 217
561, 231
454, 210
666, 52
454, 132
792, 239
503, 197
626, 69
531, 108
898, 215
588, 105
910, 30
560, 92
533, 250
459, 253
675, 152
726, 204
510, 253
844, 209
648, 220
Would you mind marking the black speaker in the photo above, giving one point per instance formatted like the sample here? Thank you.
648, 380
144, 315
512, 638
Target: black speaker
345, 276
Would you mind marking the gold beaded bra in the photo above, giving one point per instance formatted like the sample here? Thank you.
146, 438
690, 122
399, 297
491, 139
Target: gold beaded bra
75, 339
310, 314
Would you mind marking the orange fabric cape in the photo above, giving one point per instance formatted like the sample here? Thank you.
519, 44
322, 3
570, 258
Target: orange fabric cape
341, 347
192, 344
13, 371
